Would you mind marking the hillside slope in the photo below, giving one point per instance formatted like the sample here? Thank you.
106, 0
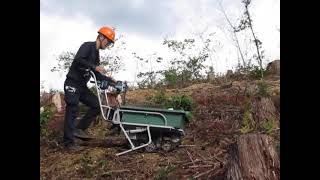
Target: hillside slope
218, 121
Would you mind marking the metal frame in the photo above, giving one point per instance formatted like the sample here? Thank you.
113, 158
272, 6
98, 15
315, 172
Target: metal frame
116, 119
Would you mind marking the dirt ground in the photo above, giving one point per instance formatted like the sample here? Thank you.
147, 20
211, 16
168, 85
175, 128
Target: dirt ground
202, 155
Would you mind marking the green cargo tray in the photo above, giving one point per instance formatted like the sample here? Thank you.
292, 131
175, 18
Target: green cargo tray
175, 118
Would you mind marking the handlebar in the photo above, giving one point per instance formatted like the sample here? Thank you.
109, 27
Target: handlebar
119, 85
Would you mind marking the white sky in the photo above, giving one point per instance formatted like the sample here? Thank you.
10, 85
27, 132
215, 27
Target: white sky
145, 25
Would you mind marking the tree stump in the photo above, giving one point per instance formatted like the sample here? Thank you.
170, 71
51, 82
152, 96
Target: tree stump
263, 110
56, 100
274, 67
253, 156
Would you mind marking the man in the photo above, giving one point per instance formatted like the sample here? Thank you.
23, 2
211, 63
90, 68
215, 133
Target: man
76, 90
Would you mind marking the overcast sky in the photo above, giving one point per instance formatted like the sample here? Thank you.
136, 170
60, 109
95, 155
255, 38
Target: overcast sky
65, 25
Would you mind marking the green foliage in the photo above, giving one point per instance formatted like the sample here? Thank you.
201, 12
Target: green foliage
180, 103
46, 113
162, 173
148, 79
263, 89
210, 72
64, 61
184, 67
158, 100
112, 60
170, 77
160, 97
53, 91
179, 46
255, 72
194, 65
102, 163
269, 125
245, 23
113, 63
247, 123
86, 166
187, 66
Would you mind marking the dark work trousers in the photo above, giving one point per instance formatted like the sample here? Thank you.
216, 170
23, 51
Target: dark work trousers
75, 93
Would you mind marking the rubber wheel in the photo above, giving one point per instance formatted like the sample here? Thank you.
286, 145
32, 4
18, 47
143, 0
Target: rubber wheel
166, 146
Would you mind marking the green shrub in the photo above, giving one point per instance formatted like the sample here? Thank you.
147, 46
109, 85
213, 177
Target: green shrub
180, 103
247, 123
176, 102
255, 72
46, 113
160, 97
269, 126
170, 77
263, 89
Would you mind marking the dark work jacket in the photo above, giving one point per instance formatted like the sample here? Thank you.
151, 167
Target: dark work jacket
87, 57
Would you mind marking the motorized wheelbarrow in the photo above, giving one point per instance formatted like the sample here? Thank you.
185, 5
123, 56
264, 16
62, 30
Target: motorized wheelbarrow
150, 129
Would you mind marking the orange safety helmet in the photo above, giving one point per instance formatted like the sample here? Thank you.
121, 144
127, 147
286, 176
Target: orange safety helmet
107, 32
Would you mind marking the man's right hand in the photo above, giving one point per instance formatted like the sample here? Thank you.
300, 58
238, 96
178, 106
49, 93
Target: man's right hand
100, 69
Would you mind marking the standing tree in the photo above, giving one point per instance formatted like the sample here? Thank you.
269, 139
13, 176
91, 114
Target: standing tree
234, 32
149, 77
188, 62
113, 59
246, 22
64, 61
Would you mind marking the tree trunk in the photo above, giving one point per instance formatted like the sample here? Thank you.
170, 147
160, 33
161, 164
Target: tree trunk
235, 35
255, 41
253, 156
